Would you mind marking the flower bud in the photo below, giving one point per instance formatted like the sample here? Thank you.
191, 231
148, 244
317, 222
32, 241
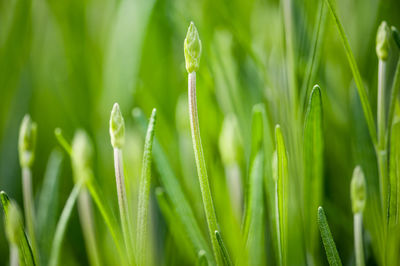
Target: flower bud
117, 127
192, 47
358, 190
382, 41
27, 141
81, 154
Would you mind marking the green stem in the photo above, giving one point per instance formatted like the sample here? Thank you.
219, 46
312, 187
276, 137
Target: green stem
13, 255
393, 97
201, 167
358, 241
123, 203
381, 149
29, 208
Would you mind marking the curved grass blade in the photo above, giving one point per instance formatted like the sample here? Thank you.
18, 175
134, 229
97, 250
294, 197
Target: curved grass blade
179, 203
62, 224
224, 251
394, 92
329, 244
394, 173
313, 168
25, 253
356, 74
63, 142
144, 192
282, 192
47, 208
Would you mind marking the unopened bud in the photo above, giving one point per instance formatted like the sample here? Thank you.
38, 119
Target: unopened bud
27, 141
192, 46
382, 41
81, 154
358, 190
117, 127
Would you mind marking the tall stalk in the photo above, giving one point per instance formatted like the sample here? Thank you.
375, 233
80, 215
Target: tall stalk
82, 153
192, 56
117, 133
26, 148
358, 199
382, 51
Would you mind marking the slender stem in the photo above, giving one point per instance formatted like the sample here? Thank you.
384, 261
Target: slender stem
86, 217
358, 241
123, 202
29, 207
381, 149
201, 168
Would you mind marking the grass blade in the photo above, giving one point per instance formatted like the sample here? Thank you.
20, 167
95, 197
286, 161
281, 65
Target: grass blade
254, 216
144, 192
47, 208
25, 253
356, 74
394, 172
329, 244
62, 224
282, 192
180, 204
224, 251
313, 168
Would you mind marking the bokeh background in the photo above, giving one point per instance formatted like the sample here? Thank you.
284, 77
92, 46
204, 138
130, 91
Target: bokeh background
66, 63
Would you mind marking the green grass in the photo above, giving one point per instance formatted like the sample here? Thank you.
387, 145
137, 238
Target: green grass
273, 147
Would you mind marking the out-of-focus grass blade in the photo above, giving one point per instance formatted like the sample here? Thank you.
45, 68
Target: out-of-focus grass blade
202, 259
329, 244
315, 54
313, 167
175, 193
25, 253
174, 226
47, 208
282, 190
393, 96
62, 224
254, 221
356, 73
144, 191
224, 251
95, 192
394, 168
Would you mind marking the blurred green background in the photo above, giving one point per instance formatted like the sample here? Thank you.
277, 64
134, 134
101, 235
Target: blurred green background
67, 62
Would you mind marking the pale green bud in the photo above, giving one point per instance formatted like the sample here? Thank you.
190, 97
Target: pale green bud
27, 141
81, 154
13, 223
192, 47
117, 127
229, 140
396, 35
382, 41
358, 190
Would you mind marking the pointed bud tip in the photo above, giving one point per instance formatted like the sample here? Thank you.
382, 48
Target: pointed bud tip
27, 141
192, 49
382, 41
358, 190
117, 127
